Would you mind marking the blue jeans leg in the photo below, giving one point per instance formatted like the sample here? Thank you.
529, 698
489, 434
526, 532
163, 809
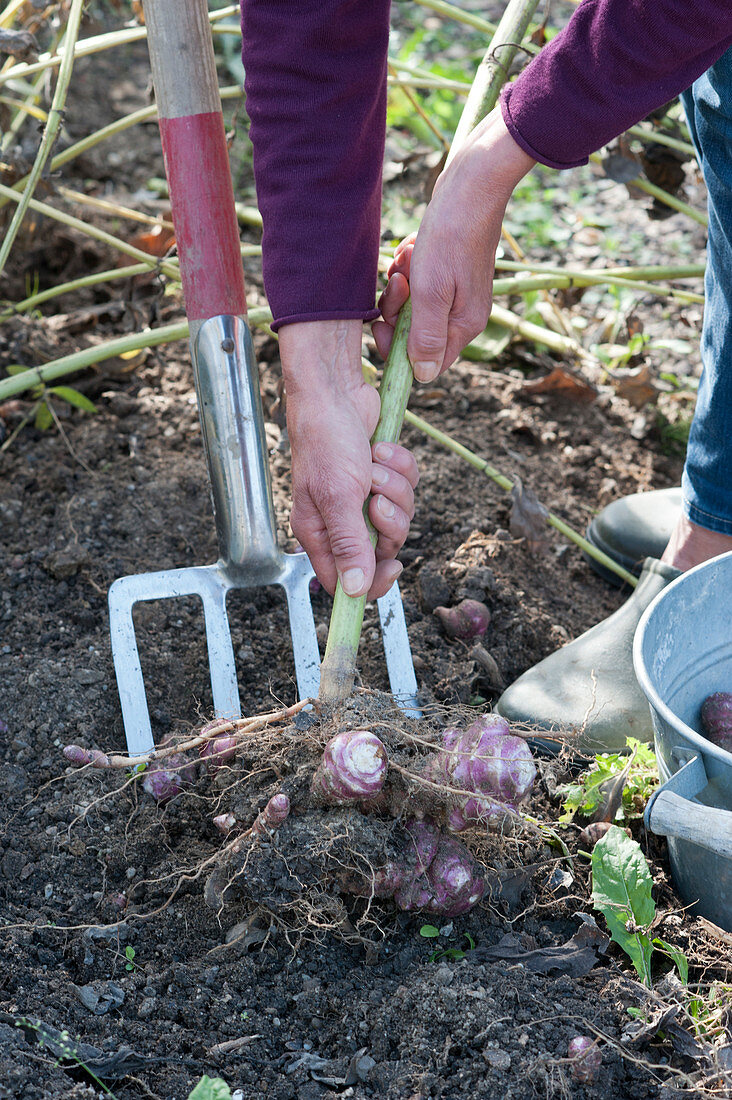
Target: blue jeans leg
707, 480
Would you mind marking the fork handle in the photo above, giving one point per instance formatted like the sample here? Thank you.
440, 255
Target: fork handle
196, 158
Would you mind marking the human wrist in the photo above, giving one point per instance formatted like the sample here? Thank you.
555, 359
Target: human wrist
321, 355
493, 157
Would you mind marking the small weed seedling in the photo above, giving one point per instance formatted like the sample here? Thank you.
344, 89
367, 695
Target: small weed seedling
130, 956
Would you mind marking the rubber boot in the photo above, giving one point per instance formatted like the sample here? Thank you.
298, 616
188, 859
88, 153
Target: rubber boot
588, 688
634, 528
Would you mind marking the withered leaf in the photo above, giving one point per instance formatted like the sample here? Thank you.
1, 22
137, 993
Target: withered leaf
576, 957
157, 240
528, 517
621, 167
21, 44
636, 386
559, 383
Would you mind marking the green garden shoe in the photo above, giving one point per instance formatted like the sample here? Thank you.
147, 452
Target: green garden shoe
588, 687
634, 528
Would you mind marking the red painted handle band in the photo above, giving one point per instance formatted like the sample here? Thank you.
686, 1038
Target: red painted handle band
206, 229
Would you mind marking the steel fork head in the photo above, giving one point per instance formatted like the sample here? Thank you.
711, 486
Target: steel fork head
227, 384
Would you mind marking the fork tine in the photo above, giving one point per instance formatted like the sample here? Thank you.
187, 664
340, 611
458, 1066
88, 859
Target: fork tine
305, 650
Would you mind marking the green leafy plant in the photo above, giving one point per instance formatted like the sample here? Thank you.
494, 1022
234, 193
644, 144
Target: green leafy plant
130, 956
42, 414
210, 1088
454, 953
64, 1048
429, 932
621, 891
586, 795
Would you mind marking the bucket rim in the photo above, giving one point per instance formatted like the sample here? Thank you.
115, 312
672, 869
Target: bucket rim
706, 747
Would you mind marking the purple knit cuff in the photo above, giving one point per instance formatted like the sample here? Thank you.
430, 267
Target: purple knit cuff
520, 140
327, 315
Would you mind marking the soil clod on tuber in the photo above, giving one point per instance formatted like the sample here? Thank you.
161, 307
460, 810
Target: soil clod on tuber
585, 1059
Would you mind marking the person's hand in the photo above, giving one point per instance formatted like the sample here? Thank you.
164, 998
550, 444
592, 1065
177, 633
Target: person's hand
448, 266
331, 415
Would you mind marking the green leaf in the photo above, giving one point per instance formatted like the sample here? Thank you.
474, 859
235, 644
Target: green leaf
43, 418
621, 890
15, 368
677, 956
429, 931
73, 397
210, 1088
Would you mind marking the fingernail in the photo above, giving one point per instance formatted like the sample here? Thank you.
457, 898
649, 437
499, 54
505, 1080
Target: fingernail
385, 506
399, 568
384, 451
379, 476
352, 581
426, 371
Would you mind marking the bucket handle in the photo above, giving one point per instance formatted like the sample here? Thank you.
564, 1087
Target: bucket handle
672, 813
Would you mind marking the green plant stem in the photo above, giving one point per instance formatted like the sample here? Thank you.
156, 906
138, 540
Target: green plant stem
97, 44
657, 137
460, 16
526, 284
493, 70
259, 317
50, 130
507, 484
74, 284
145, 114
338, 668
93, 231
339, 664
662, 196
537, 334
652, 272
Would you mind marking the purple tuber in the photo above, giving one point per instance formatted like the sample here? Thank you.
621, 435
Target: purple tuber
452, 881
274, 813
487, 761
218, 751
585, 1059
164, 779
468, 620
75, 754
354, 766
716, 717
456, 879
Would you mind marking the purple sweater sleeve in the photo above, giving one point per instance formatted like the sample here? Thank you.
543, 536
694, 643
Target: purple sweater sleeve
316, 97
615, 61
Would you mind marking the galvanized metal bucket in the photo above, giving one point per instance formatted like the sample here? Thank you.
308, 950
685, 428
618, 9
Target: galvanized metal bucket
683, 653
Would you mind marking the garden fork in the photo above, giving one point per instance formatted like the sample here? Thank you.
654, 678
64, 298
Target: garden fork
227, 386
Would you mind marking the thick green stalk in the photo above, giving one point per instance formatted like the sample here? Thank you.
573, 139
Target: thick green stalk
493, 69
507, 484
50, 130
339, 664
259, 317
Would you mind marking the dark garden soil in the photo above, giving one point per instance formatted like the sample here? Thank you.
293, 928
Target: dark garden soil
104, 928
